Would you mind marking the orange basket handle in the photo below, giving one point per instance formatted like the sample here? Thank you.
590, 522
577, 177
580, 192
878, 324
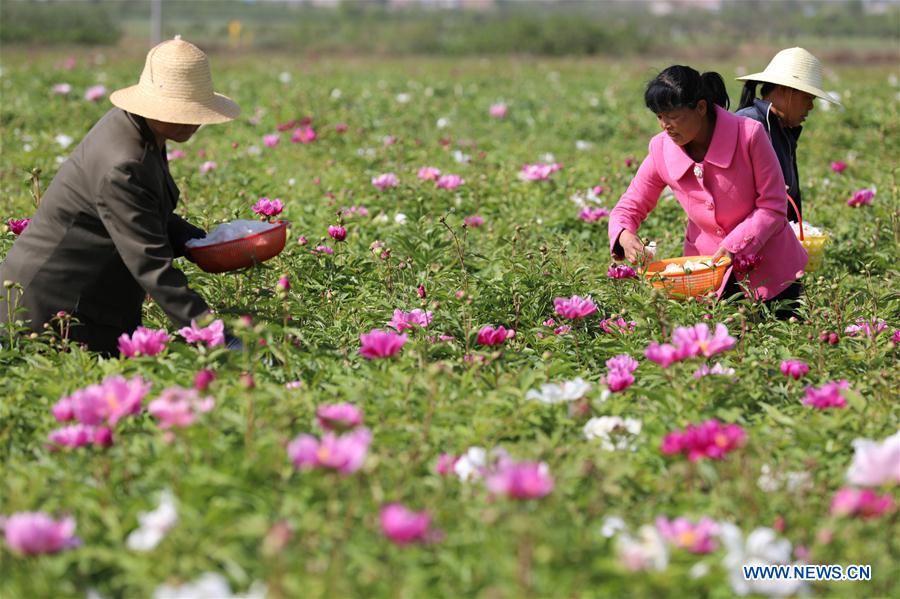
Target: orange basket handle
797, 212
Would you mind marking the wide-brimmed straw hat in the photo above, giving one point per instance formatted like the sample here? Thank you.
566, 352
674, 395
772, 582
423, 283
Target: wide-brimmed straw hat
176, 87
795, 68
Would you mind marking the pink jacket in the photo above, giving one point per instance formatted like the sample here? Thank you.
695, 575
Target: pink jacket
738, 201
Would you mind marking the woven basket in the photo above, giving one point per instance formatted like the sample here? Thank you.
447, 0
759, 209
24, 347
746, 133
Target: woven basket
813, 244
684, 285
243, 252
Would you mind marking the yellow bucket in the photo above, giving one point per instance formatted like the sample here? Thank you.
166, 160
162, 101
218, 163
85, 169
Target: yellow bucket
813, 244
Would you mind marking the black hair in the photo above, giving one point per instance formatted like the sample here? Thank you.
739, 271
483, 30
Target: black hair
748, 94
681, 86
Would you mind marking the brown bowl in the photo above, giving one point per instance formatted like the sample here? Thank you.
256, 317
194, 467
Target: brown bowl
694, 284
241, 253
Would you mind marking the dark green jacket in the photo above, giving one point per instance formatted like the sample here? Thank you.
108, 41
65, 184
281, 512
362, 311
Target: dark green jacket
104, 237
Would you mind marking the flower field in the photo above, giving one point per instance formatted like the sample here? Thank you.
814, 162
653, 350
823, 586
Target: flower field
447, 387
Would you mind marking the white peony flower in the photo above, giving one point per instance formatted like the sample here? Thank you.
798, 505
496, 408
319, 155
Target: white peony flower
63, 140
583, 145
613, 432
154, 525
762, 548
551, 393
400, 218
403, 98
646, 552
284, 77
471, 464
442, 122
208, 586
461, 158
874, 463
611, 526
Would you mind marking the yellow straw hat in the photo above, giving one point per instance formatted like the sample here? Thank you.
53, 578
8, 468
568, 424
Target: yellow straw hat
795, 68
176, 87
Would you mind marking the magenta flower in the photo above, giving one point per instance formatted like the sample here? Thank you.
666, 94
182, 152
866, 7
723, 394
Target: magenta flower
420, 291
864, 503
341, 127
61, 89
339, 417
266, 207
109, 401
204, 379
619, 377
283, 284
95, 93
697, 341
538, 171
664, 354
17, 225
838, 166
827, 396
177, 407
271, 140
474, 221
710, 439
488, 335
211, 335
382, 182
498, 110
870, 328
303, 135
629, 162
875, 463
592, 214
619, 325
445, 464
33, 533
696, 538
337, 233
209, 165
80, 435
409, 320
620, 271
380, 344
520, 480
863, 197
746, 263
344, 453
717, 369
404, 526
622, 362
175, 155
429, 173
574, 307
143, 342
794, 368
449, 182
322, 249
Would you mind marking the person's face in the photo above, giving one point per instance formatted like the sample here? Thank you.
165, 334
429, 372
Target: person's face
792, 105
173, 131
683, 124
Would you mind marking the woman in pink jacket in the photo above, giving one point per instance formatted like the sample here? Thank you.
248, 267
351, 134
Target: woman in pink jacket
725, 175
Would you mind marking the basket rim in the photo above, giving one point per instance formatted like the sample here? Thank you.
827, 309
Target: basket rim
724, 262
281, 224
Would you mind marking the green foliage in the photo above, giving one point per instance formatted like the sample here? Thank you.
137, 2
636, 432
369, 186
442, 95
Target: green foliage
87, 23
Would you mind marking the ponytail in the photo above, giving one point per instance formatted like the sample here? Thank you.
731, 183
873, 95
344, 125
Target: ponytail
748, 93
681, 86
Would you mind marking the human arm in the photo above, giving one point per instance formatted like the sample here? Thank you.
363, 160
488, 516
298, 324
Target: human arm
181, 231
632, 208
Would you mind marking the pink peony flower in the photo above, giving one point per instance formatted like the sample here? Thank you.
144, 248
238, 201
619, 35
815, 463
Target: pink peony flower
271, 140
382, 182
337, 233
175, 155
664, 354
619, 375
827, 396
80, 435
488, 335
61, 89
746, 263
838, 166
710, 439
266, 207
95, 93
341, 127
870, 328
861, 502
629, 162
520, 480
339, 417
322, 249
619, 325
697, 341
420, 291
875, 464
449, 182
717, 369
539, 171
143, 342
574, 307
445, 464
863, 197
591, 215
498, 110
283, 284
208, 166
204, 379
794, 368
409, 320
109, 401
380, 344
17, 225
303, 135
178, 408
696, 538
429, 173
33, 533
620, 271
344, 453
403, 526
473, 221
212, 335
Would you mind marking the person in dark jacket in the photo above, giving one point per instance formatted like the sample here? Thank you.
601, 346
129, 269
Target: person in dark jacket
790, 83
105, 234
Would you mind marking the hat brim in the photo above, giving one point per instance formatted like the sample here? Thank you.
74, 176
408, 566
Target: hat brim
218, 109
788, 81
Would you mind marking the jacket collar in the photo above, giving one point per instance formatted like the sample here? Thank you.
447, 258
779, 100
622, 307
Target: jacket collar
721, 147
764, 108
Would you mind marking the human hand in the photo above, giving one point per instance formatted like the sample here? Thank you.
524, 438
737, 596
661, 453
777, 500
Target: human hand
720, 253
632, 247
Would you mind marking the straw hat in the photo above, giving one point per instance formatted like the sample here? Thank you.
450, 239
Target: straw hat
176, 87
795, 68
